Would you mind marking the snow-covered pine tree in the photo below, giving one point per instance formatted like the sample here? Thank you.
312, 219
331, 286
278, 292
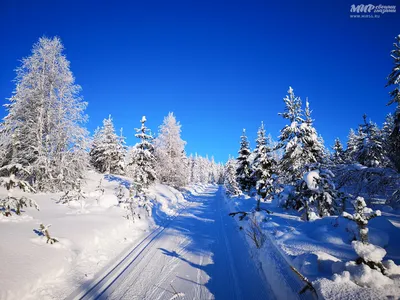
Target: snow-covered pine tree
172, 167
289, 139
213, 171
191, 163
261, 141
369, 254
45, 117
122, 153
369, 145
243, 168
387, 130
351, 146
317, 193
96, 141
338, 156
262, 167
361, 216
394, 80
313, 149
230, 183
11, 202
107, 153
143, 161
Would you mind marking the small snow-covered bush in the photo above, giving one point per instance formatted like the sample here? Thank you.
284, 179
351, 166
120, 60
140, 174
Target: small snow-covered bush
316, 194
75, 194
368, 254
361, 217
11, 202
16, 204
138, 204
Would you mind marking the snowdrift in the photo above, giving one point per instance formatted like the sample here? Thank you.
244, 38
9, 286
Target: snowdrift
91, 233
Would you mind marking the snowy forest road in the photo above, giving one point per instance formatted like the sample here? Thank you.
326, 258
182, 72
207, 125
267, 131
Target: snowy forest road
199, 255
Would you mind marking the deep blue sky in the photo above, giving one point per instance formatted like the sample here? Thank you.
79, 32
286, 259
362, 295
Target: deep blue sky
220, 66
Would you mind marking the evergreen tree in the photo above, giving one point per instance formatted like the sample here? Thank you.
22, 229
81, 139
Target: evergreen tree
394, 80
369, 145
313, 149
172, 166
230, 183
338, 156
387, 128
316, 193
107, 153
143, 160
361, 216
351, 146
121, 153
243, 166
262, 168
261, 142
289, 139
44, 120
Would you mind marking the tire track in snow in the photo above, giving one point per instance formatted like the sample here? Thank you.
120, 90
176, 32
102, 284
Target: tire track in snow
232, 271
101, 285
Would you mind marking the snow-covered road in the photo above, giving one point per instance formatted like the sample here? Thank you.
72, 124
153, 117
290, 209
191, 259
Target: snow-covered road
199, 254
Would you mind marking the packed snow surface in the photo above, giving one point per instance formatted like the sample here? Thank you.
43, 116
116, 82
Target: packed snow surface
188, 248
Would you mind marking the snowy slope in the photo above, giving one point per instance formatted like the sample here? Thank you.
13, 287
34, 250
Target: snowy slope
90, 235
319, 249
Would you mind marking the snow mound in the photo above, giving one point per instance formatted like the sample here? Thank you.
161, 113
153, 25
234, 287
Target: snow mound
108, 200
391, 267
310, 179
307, 264
364, 276
369, 252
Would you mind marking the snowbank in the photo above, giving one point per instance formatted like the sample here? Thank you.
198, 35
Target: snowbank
91, 232
323, 251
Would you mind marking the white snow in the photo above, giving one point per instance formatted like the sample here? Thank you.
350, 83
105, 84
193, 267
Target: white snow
107, 200
310, 179
369, 252
322, 251
88, 239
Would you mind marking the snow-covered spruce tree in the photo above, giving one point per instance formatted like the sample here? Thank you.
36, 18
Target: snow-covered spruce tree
313, 149
369, 146
5, 145
172, 167
230, 183
361, 217
369, 254
243, 168
338, 156
45, 117
11, 202
394, 80
317, 193
96, 141
387, 129
262, 167
122, 150
143, 162
351, 146
107, 152
261, 141
289, 139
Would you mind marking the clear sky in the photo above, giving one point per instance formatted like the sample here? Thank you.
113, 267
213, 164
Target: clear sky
220, 66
